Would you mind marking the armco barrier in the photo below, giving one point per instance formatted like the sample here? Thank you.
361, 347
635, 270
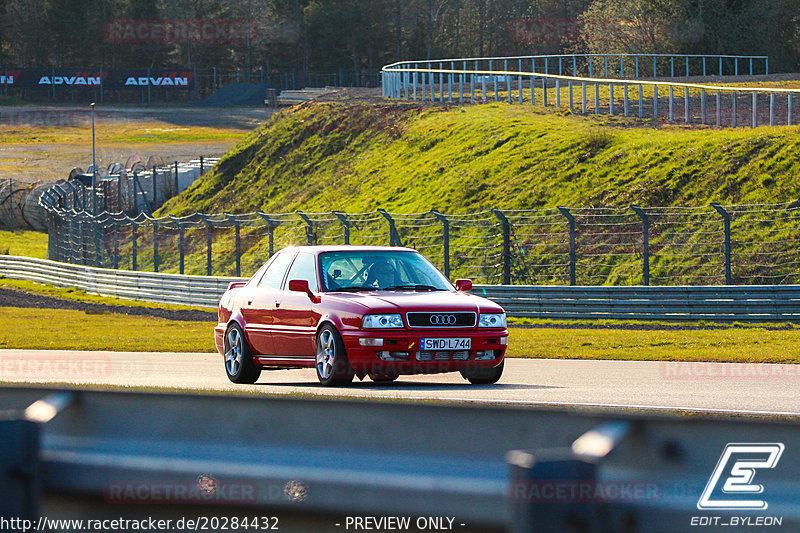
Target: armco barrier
313, 463
720, 303
202, 291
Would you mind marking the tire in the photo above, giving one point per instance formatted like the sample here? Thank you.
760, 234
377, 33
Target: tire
239, 364
332, 365
384, 377
484, 376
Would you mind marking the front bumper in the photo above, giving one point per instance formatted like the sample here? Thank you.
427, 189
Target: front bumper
488, 348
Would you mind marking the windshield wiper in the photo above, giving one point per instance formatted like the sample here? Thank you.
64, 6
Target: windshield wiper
413, 288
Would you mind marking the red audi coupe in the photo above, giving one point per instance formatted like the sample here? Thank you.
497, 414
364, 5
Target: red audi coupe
357, 311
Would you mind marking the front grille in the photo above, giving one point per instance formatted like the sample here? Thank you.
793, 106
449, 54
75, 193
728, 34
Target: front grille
444, 355
442, 320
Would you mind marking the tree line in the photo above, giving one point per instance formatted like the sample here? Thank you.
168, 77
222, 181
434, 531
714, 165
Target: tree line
359, 36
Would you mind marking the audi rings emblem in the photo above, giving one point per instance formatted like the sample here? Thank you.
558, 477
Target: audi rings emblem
443, 320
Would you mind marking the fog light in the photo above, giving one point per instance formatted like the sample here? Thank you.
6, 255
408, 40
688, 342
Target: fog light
366, 341
393, 356
504, 341
484, 356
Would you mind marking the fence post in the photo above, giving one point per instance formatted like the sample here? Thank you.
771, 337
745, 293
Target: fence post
134, 266
237, 242
309, 227
155, 245
181, 242
687, 106
116, 245
394, 237
571, 219
155, 190
177, 181
703, 115
506, 245
11, 204
671, 103
446, 240
205, 219
271, 229
345, 224
726, 224
96, 237
201, 165
645, 244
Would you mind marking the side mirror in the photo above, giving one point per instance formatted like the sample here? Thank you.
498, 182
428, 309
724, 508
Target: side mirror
234, 284
463, 285
299, 285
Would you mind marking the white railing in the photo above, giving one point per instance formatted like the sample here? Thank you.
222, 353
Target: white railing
485, 79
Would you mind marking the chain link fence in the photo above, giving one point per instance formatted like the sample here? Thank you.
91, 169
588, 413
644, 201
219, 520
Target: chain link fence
716, 244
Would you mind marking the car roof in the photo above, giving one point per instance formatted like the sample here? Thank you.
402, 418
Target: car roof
349, 248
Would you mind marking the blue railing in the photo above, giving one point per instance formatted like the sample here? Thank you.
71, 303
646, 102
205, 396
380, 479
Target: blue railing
515, 79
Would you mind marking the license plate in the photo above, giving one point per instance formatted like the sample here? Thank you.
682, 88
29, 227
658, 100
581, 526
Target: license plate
446, 344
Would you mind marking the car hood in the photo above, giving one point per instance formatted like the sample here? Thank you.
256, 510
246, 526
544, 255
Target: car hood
404, 301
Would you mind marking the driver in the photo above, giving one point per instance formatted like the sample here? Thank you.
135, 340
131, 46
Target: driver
381, 275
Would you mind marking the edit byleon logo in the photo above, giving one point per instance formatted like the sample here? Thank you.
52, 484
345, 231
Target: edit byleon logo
731, 486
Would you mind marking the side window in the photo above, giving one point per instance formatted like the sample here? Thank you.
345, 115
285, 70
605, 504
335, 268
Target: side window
273, 277
304, 267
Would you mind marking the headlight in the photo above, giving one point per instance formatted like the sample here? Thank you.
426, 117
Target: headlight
492, 320
381, 321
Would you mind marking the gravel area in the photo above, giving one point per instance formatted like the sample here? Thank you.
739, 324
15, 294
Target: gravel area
13, 298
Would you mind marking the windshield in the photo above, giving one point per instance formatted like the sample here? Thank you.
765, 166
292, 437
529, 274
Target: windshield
377, 270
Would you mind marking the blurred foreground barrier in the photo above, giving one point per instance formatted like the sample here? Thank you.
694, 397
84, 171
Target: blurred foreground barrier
717, 303
313, 464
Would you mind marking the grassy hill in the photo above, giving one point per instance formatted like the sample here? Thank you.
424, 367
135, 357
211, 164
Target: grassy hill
410, 159
320, 157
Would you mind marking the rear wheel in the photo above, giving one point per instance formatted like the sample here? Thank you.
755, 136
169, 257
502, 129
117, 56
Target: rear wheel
239, 364
332, 365
483, 376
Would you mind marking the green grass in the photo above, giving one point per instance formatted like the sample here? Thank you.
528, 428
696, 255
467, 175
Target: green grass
459, 159
24, 243
411, 158
77, 330
50, 329
78, 295
734, 345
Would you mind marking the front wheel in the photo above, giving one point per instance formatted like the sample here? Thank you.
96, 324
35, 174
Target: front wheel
483, 376
332, 365
239, 364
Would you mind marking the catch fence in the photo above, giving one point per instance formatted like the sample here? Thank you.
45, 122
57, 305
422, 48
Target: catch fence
716, 244
634, 85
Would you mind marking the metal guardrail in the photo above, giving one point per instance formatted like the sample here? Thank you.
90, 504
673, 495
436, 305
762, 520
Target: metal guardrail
201, 291
496, 78
728, 303
312, 463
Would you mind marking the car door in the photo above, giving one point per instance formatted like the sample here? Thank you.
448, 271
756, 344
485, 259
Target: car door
296, 318
258, 309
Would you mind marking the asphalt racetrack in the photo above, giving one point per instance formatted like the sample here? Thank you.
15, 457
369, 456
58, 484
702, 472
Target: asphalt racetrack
741, 388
